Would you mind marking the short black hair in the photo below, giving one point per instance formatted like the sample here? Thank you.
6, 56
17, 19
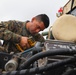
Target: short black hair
44, 18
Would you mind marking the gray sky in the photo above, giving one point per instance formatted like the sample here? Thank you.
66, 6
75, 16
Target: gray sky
25, 9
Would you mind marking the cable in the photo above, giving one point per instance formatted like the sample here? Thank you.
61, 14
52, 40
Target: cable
39, 70
45, 54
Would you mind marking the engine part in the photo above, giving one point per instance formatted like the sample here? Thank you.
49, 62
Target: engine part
52, 48
11, 65
4, 58
56, 58
43, 69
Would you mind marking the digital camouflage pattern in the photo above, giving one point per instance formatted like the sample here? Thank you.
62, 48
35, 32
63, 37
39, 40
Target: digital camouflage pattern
11, 32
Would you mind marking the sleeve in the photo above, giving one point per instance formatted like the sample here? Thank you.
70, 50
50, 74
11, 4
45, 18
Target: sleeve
39, 37
7, 34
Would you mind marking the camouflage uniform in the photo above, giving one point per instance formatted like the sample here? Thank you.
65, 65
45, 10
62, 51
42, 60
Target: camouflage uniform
11, 33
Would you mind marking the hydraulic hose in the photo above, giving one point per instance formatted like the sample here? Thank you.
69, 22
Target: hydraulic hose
70, 72
37, 56
39, 70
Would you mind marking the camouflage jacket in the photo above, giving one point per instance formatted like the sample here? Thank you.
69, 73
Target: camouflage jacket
11, 32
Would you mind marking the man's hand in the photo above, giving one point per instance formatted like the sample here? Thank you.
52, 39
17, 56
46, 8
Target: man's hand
24, 43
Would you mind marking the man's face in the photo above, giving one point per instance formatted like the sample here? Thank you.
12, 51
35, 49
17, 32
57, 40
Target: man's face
36, 26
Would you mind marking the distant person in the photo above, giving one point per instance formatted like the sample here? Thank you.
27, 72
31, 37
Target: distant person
16, 32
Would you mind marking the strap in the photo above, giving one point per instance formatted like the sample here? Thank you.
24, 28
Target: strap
72, 4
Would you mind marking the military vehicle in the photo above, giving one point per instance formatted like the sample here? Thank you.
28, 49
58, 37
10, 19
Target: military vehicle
68, 8
55, 56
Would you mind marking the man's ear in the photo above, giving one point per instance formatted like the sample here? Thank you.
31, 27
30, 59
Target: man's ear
33, 19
